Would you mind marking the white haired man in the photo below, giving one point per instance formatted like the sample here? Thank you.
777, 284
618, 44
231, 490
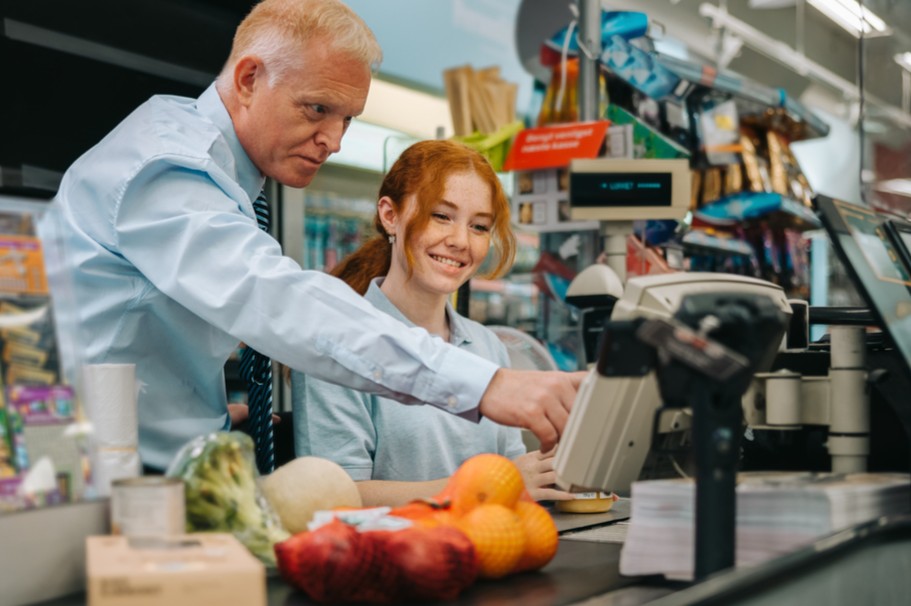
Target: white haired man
170, 269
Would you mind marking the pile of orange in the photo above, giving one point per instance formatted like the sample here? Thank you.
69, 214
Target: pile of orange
486, 499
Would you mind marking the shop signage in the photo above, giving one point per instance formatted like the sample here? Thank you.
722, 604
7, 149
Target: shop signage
556, 145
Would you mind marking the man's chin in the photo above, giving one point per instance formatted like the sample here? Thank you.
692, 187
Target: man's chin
296, 179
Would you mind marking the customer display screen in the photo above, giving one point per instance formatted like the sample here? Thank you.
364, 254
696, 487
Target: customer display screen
874, 261
605, 189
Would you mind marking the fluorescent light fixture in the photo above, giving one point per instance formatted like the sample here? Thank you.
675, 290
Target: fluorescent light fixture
797, 62
410, 111
370, 146
852, 17
394, 117
904, 60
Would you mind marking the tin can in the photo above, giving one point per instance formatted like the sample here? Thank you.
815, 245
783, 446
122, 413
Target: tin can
148, 506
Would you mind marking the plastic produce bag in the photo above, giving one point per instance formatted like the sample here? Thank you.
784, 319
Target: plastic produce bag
368, 556
219, 474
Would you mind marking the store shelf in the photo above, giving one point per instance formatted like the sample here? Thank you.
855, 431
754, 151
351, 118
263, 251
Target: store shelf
744, 89
702, 241
748, 206
667, 78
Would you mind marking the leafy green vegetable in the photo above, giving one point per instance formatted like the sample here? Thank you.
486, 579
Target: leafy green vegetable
219, 474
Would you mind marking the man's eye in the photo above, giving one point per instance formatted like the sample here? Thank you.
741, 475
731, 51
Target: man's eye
319, 109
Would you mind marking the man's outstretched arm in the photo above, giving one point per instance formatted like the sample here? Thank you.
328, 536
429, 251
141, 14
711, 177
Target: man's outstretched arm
539, 401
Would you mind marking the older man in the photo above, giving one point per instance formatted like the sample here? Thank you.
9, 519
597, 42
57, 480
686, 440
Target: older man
170, 269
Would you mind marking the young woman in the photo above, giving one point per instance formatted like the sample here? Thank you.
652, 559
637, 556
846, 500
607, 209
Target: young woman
441, 209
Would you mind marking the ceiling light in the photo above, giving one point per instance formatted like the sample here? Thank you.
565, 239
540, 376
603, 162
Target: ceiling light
852, 17
904, 60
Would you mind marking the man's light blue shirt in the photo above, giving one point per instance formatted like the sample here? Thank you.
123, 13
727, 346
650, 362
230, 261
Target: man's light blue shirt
170, 271
373, 438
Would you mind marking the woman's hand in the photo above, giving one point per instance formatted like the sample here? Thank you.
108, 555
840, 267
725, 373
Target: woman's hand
538, 472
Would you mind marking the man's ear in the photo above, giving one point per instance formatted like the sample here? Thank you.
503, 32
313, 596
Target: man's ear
385, 208
248, 74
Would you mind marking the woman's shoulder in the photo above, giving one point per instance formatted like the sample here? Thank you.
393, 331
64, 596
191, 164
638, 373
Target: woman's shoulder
482, 340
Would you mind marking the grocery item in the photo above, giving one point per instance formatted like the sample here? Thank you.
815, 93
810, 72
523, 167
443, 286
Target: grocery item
588, 502
485, 479
334, 563
483, 525
305, 485
433, 563
541, 538
377, 558
148, 506
750, 161
219, 474
486, 498
498, 536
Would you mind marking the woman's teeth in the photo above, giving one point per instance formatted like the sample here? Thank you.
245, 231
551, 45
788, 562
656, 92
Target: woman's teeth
446, 261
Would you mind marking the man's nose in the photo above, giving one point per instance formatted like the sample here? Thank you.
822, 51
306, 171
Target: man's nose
330, 135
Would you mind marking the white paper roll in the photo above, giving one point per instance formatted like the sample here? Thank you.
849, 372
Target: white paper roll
110, 394
110, 465
110, 400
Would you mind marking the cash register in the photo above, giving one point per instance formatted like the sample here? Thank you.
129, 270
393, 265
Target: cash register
833, 384
621, 409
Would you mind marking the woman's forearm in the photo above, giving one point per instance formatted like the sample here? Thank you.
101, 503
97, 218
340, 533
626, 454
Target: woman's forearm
392, 493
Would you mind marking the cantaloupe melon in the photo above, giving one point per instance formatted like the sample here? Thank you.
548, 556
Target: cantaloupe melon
305, 485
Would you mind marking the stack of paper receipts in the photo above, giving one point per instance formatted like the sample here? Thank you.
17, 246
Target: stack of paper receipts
777, 512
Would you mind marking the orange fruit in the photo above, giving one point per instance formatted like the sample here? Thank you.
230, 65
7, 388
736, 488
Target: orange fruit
498, 537
444, 517
484, 479
541, 537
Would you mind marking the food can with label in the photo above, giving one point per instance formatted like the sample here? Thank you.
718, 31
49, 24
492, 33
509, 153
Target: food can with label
148, 506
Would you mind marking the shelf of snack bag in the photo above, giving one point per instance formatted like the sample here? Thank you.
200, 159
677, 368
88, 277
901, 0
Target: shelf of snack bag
43, 452
48, 502
747, 187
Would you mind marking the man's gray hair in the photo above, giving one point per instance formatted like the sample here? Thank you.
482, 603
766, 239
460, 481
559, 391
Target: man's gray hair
277, 30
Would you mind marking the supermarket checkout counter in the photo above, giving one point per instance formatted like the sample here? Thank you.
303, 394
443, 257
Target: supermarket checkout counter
581, 570
867, 564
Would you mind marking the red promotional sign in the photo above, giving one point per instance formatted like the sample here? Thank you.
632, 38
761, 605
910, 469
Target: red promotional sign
554, 146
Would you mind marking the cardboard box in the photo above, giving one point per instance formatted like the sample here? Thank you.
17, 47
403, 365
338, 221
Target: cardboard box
183, 570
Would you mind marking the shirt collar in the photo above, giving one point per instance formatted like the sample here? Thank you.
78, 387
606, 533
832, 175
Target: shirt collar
458, 331
212, 107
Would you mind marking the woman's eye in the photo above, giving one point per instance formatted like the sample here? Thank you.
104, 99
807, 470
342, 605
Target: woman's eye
482, 228
441, 216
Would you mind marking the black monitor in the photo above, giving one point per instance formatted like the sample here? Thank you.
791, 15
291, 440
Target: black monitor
874, 250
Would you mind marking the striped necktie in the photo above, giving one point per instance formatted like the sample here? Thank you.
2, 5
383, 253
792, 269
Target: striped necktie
256, 371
